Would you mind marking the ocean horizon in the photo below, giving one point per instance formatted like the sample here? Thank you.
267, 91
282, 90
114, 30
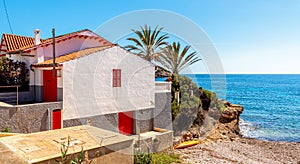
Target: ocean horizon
271, 102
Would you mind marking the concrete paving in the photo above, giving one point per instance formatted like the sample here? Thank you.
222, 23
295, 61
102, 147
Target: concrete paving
42, 146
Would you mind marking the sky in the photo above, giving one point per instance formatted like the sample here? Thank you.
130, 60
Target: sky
254, 36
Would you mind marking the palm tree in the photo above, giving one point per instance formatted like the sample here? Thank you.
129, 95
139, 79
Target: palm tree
148, 43
175, 60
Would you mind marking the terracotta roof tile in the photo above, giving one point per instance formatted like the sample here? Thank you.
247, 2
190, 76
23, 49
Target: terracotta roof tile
71, 56
15, 43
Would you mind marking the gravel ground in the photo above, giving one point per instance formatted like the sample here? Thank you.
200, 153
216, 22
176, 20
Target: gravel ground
243, 150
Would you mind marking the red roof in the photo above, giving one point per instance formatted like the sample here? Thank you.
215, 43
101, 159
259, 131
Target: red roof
72, 56
17, 44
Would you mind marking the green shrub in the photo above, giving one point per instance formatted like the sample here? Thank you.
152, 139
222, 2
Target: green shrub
66, 158
188, 98
175, 109
165, 158
156, 158
221, 106
142, 157
5, 130
13, 72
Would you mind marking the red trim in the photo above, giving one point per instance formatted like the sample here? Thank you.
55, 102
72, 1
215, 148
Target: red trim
45, 66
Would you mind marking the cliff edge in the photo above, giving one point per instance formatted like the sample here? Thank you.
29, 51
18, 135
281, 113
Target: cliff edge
219, 123
227, 127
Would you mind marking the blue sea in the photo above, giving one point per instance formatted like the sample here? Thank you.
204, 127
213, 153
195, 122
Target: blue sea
271, 102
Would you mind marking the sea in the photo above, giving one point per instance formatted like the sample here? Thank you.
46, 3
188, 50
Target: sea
271, 102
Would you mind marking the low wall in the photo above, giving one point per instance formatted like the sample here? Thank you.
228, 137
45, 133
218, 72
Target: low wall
152, 142
27, 118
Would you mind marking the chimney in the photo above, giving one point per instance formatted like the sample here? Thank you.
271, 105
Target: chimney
37, 37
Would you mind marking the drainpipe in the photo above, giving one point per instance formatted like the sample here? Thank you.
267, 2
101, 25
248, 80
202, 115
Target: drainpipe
50, 118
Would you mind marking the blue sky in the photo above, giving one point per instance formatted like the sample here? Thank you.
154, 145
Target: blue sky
251, 36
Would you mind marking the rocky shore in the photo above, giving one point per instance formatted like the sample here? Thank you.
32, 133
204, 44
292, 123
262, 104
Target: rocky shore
242, 150
222, 141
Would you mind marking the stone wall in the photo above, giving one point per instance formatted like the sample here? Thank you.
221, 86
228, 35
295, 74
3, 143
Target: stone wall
162, 112
107, 122
27, 118
143, 120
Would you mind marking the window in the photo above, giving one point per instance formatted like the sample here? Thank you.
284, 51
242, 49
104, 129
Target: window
116, 78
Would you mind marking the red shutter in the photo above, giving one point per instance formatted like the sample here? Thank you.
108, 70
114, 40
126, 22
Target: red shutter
116, 78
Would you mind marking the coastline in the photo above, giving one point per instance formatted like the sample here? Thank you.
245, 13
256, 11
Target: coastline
242, 150
224, 143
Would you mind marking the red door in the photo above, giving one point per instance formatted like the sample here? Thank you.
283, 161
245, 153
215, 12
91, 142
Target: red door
126, 123
56, 119
50, 86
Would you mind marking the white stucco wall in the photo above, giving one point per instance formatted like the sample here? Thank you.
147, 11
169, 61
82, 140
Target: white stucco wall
68, 46
87, 84
38, 78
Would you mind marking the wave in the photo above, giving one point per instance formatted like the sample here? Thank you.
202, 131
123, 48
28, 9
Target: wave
247, 128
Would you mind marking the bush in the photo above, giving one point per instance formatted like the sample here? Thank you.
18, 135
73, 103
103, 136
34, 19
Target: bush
221, 106
175, 109
165, 158
156, 158
13, 72
188, 98
5, 130
142, 158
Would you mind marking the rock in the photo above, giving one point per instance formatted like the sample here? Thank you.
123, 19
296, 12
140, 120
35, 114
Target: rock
227, 128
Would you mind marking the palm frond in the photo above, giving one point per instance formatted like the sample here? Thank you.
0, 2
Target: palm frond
148, 42
175, 59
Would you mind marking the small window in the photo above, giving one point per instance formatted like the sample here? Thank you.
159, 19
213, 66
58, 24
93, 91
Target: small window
116, 78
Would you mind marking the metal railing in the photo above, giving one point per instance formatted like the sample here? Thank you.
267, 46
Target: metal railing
17, 91
163, 86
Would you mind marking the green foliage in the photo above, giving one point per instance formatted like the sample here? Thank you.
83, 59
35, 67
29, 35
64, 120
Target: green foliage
13, 72
189, 95
5, 130
175, 59
185, 97
209, 94
175, 109
221, 106
67, 158
156, 158
142, 158
165, 158
148, 42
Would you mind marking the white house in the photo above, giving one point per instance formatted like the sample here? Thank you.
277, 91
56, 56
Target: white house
99, 83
